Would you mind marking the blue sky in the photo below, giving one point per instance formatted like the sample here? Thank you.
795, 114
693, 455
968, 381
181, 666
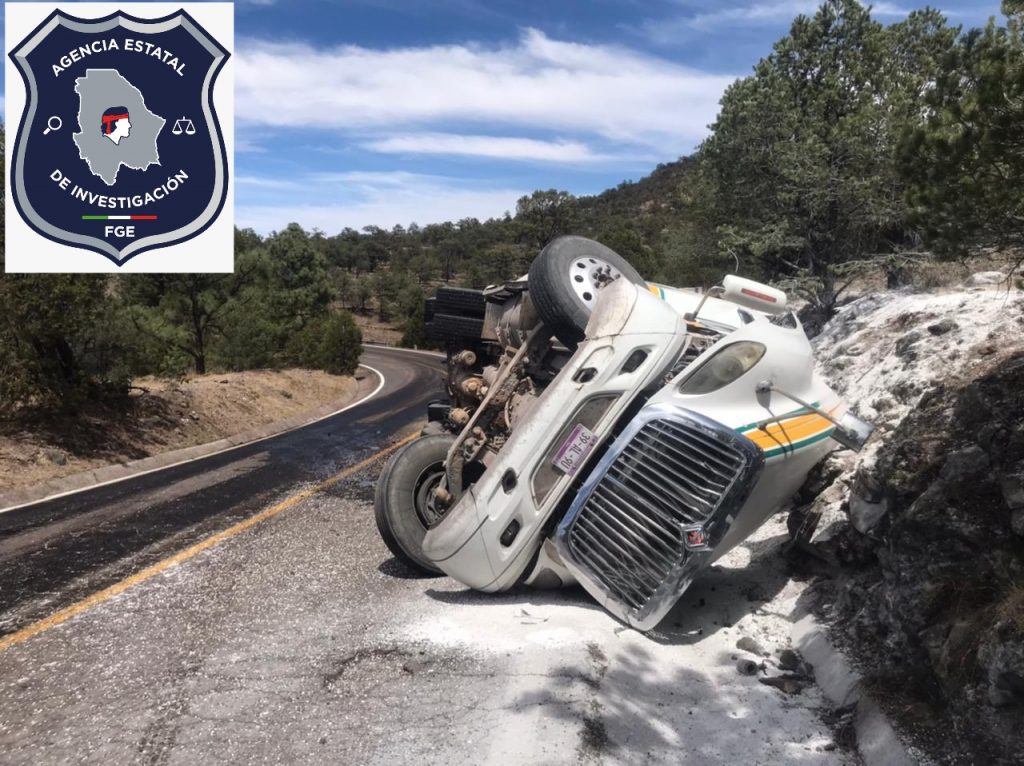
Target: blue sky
384, 112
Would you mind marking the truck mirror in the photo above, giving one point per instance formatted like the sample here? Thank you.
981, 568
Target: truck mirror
852, 432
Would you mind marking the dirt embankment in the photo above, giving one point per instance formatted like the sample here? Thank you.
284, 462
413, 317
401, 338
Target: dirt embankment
160, 416
376, 331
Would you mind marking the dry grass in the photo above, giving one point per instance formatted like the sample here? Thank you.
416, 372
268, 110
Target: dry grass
375, 331
160, 416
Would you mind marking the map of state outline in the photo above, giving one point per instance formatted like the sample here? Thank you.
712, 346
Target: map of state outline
149, 123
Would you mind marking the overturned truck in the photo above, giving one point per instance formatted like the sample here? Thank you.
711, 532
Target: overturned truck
607, 431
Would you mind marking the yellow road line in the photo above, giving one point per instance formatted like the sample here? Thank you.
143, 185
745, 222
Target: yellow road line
145, 574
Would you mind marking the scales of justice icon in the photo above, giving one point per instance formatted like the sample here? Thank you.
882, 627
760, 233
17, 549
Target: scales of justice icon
184, 125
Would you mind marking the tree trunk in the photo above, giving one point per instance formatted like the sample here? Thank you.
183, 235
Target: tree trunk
198, 335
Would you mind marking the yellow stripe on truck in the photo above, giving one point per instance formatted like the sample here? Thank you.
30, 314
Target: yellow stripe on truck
773, 437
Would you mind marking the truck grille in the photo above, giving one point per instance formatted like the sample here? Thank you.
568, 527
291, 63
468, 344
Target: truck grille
670, 472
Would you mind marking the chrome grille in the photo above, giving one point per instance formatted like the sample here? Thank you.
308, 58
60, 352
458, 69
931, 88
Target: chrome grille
666, 475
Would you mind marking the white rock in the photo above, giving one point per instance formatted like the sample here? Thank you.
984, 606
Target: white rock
1017, 522
865, 515
1012, 485
829, 504
985, 278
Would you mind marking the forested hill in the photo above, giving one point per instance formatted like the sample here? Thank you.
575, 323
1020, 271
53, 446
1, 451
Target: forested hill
650, 221
657, 194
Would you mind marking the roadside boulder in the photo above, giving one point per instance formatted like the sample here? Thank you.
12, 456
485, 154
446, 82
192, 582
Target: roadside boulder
56, 456
748, 644
866, 515
905, 346
1017, 522
868, 503
1002, 655
789, 660
967, 465
1012, 486
943, 326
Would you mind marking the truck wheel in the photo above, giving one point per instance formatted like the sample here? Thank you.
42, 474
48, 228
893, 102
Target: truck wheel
461, 301
454, 328
564, 280
403, 502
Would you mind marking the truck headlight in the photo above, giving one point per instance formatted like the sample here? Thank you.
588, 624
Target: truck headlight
725, 366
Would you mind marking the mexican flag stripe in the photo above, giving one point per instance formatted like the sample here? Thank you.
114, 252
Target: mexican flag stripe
118, 217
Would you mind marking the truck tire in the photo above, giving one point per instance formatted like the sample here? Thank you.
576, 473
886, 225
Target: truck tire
564, 280
461, 301
402, 506
449, 327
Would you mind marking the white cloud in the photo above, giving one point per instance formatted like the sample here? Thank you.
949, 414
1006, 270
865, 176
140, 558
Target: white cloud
889, 10
262, 182
497, 147
332, 201
248, 146
768, 12
608, 91
381, 177
757, 14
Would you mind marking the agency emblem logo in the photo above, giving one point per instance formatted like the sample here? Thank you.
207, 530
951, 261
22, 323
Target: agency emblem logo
119, 149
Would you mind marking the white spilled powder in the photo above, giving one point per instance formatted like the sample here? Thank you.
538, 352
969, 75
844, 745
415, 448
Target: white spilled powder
527, 620
673, 695
879, 354
514, 628
882, 353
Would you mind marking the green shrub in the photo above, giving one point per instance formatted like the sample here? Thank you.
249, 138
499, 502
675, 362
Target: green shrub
249, 342
332, 343
341, 344
58, 343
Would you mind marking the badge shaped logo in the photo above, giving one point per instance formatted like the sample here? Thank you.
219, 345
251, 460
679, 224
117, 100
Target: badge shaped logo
119, 149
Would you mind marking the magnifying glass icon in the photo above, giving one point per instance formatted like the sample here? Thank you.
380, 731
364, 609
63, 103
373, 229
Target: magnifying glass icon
54, 123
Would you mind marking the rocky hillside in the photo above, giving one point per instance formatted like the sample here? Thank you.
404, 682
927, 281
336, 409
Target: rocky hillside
922, 534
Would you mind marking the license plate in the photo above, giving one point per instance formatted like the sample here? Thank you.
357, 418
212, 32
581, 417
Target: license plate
575, 450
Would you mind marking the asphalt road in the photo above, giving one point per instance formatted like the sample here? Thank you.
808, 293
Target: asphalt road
299, 639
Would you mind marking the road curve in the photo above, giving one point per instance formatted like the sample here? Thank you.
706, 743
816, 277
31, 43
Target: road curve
56, 552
